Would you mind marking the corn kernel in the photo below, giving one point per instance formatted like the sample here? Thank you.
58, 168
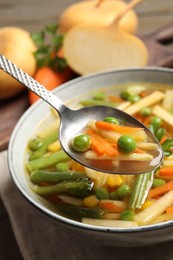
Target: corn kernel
114, 180
54, 147
90, 201
147, 204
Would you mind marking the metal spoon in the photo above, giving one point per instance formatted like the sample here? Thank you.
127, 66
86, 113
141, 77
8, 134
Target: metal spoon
74, 122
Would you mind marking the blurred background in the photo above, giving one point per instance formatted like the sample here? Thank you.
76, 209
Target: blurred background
33, 15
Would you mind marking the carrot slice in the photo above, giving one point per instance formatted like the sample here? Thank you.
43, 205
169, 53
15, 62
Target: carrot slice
101, 145
115, 99
166, 171
163, 139
161, 189
169, 210
111, 206
113, 127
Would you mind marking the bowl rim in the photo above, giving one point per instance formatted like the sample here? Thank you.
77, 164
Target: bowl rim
44, 209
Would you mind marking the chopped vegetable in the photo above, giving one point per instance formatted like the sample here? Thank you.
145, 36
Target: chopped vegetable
113, 205
161, 190
157, 208
79, 189
114, 127
54, 177
76, 212
44, 162
43, 148
140, 190
164, 114
100, 145
149, 100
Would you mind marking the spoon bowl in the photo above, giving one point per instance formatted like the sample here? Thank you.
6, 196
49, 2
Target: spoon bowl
74, 122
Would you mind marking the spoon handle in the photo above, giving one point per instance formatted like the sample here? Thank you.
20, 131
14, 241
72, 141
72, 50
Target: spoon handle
10, 68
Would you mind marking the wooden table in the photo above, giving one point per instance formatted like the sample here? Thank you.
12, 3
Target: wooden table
33, 15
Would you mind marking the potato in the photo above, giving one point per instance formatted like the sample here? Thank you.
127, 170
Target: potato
89, 49
16, 45
93, 13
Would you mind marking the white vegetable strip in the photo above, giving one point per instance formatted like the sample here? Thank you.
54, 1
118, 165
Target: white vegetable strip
113, 136
99, 178
123, 105
119, 205
168, 163
109, 223
131, 157
168, 100
111, 215
149, 100
147, 146
71, 200
163, 217
157, 208
164, 114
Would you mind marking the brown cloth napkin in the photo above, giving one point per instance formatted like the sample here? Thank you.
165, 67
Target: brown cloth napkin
39, 240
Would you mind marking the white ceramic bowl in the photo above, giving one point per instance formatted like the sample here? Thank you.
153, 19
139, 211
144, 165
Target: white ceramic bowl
138, 236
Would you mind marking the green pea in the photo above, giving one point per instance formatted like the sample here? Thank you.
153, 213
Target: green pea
146, 111
134, 98
158, 182
34, 144
156, 121
62, 167
99, 96
81, 143
123, 191
126, 144
111, 120
101, 193
125, 95
127, 215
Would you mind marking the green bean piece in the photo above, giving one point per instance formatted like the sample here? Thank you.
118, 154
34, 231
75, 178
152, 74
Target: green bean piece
55, 177
46, 142
140, 190
76, 212
160, 133
92, 102
158, 182
79, 189
48, 161
101, 193
127, 215
62, 167
35, 143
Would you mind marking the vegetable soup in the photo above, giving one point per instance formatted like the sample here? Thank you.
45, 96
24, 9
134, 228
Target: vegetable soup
99, 198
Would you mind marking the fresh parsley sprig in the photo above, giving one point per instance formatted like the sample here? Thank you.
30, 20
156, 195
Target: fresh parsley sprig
48, 42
